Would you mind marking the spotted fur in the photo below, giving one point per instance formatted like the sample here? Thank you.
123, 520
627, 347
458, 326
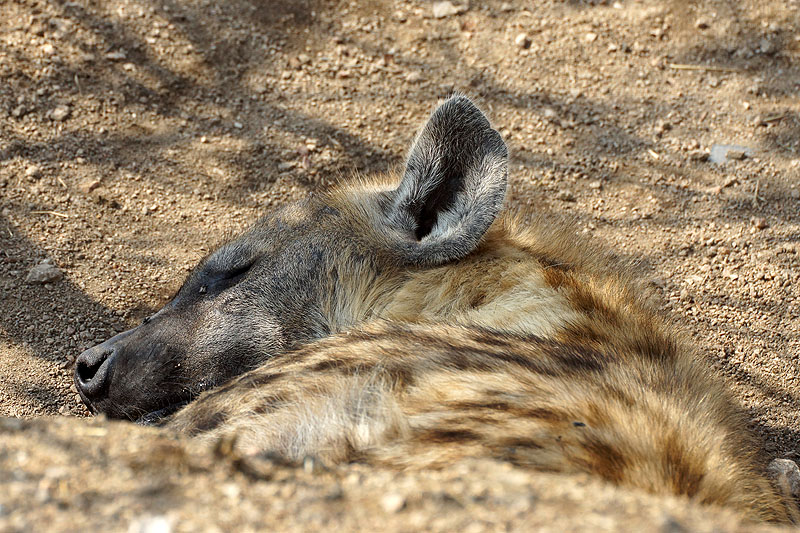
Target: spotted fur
430, 327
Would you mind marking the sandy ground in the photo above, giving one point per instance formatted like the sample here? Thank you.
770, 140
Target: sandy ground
136, 134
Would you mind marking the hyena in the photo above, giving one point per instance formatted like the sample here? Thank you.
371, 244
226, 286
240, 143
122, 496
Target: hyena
409, 322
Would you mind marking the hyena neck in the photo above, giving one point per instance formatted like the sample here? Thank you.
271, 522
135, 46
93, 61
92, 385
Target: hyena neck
502, 285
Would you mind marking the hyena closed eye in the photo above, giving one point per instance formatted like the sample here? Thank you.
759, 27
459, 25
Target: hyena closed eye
409, 322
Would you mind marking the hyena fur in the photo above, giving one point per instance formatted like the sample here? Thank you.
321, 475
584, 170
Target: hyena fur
409, 322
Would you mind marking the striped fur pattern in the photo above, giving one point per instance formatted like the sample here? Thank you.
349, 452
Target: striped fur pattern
409, 322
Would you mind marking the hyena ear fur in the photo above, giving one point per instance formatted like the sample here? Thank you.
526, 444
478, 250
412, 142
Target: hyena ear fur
453, 185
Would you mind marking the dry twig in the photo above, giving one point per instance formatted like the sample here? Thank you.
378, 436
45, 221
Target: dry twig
54, 213
709, 68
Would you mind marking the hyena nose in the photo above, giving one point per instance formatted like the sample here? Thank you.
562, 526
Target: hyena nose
92, 373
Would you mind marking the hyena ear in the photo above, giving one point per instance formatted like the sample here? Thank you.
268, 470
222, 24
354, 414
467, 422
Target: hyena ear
453, 186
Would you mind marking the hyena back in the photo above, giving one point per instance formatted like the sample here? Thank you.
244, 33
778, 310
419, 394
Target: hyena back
413, 324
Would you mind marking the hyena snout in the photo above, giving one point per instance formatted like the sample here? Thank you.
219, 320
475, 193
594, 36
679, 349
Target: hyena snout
93, 369
117, 376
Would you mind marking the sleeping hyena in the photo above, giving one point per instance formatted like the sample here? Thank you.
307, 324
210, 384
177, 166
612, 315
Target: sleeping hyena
413, 324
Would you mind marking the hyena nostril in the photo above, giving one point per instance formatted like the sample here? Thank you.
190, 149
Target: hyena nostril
87, 369
91, 372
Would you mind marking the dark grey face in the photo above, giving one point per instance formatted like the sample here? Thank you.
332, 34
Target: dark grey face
252, 298
264, 293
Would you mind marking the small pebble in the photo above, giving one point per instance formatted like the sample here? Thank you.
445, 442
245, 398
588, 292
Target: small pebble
565, 196
523, 41
393, 502
33, 171
61, 112
549, 113
116, 56
445, 9
44, 272
413, 77
89, 185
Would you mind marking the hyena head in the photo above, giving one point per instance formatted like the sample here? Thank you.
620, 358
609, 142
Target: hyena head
305, 271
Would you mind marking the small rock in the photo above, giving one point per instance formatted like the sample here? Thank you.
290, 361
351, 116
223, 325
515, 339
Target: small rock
238, 125
727, 152
89, 185
662, 126
286, 165
590, 37
303, 59
701, 24
414, 77
765, 46
33, 172
698, 155
597, 185
795, 194
523, 41
393, 502
116, 56
565, 196
43, 273
759, 222
445, 9
19, 111
61, 112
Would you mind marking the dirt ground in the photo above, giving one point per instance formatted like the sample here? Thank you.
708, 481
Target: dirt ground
134, 134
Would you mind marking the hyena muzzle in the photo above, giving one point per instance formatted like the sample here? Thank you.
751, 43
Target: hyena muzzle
409, 323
